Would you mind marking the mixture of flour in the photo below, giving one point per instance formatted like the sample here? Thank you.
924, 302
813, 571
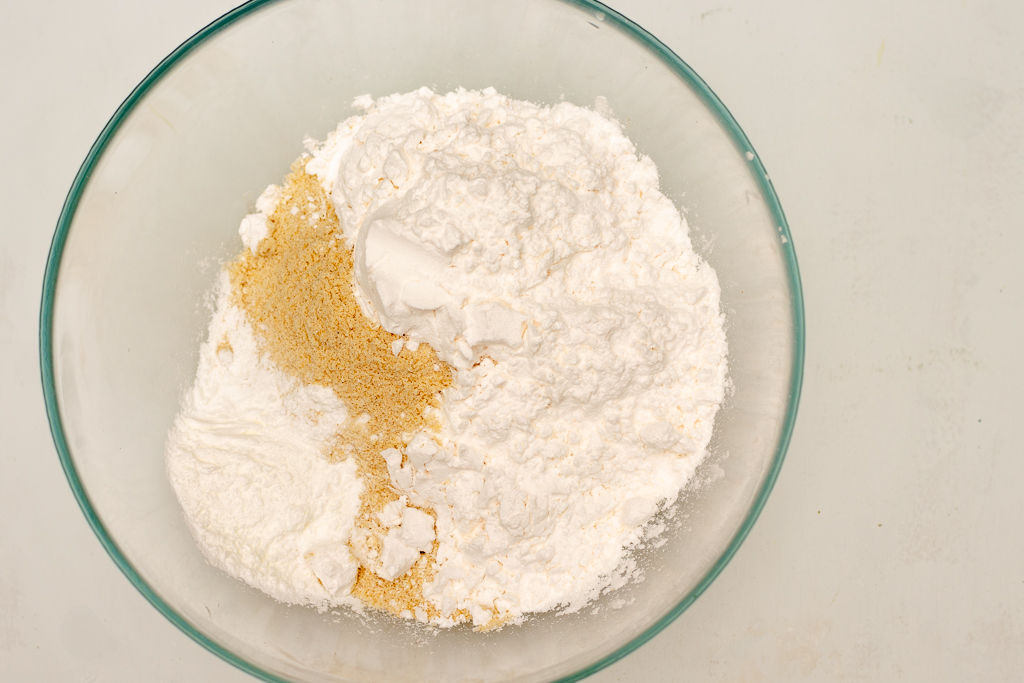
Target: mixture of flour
465, 357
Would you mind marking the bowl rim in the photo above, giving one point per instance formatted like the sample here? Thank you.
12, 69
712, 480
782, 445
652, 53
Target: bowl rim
601, 13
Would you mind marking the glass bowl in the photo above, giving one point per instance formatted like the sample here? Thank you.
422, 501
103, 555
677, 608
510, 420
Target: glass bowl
156, 206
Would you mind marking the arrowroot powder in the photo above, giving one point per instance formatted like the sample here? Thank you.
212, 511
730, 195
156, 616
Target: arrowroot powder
465, 357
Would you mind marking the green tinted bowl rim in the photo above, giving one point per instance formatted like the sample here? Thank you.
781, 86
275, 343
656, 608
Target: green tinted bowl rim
590, 7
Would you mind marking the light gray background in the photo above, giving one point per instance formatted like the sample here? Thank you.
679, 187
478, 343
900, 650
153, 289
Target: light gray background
893, 545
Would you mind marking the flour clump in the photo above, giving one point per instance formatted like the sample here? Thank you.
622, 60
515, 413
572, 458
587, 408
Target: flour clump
524, 254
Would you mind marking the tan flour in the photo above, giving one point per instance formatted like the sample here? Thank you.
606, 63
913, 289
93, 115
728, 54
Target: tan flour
298, 292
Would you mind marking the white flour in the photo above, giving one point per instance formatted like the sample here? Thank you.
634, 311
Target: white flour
531, 247
247, 457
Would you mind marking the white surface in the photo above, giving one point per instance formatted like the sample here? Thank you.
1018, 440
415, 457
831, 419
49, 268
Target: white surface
893, 545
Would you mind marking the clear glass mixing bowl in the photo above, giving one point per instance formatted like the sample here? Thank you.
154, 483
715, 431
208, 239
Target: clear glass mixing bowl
156, 206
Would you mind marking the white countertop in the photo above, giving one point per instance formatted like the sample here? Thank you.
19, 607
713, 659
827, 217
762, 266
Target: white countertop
893, 545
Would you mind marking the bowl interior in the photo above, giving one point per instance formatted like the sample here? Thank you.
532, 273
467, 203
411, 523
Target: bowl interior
156, 208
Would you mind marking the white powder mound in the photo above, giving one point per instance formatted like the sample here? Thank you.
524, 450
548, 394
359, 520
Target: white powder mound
532, 248
247, 457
